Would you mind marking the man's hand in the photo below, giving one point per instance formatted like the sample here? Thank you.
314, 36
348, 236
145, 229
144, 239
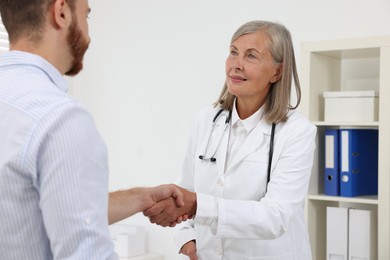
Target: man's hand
168, 212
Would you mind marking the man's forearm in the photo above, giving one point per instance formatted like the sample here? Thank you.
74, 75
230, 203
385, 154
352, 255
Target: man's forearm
125, 203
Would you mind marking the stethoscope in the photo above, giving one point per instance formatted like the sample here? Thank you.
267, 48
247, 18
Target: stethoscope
227, 122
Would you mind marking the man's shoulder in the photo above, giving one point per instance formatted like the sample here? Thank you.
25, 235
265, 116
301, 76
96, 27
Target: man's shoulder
35, 95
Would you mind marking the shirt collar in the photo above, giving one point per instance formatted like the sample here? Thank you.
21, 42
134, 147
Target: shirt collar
28, 59
248, 123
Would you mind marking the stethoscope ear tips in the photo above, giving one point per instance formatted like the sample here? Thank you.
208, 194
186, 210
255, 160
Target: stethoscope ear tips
212, 159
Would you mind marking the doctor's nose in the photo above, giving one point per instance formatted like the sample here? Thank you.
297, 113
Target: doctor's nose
238, 64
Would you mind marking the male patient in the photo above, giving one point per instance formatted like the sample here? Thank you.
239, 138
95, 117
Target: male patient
53, 163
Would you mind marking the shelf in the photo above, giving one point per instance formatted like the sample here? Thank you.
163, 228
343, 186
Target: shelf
347, 65
358, 46
345, 124
361, 199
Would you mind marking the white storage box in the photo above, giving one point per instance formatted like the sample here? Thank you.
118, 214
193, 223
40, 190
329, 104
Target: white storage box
128, 240
351, 106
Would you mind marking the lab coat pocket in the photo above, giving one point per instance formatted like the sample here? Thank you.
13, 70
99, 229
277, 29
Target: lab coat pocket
259, 156
246, 181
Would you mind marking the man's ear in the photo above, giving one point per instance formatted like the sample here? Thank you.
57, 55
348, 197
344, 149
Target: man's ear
61, 13
278, 73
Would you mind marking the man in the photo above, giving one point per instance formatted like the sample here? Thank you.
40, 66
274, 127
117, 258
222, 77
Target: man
53, 162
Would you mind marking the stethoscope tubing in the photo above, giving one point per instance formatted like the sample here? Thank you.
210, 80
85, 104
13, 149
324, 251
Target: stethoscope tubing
227, 121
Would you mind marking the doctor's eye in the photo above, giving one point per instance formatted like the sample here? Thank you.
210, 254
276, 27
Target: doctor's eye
252, 56
233, 53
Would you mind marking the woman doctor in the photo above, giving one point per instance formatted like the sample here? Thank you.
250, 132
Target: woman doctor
239, 214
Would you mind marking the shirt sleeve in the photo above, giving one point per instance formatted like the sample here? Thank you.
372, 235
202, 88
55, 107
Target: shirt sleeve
207, 215
207, 212
73, 184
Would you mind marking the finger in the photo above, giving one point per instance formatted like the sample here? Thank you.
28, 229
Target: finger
164, 213
155, 210
165, 220
178, 195
161, 220
179, 220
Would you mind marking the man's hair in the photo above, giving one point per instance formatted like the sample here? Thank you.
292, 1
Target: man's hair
26, 18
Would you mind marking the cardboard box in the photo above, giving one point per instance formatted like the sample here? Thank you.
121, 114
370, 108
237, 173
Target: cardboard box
351, 106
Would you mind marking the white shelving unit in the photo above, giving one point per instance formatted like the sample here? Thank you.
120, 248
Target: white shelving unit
343, 65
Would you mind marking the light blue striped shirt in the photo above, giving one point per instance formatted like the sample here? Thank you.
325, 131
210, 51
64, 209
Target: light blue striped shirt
53, 168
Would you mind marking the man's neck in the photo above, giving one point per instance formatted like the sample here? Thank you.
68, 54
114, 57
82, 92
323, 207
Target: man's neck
50, 51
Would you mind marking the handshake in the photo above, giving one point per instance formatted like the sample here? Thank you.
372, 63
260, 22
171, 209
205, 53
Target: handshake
171, 205
165, 205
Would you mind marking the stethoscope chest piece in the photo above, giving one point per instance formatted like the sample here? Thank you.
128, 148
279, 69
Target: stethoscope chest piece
216, 131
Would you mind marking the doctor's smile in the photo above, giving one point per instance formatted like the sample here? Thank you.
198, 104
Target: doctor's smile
237, 79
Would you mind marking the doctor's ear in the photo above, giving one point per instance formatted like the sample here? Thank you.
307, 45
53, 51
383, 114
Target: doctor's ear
278, 73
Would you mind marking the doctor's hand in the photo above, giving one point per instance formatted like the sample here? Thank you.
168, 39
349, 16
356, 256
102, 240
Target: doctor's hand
168, 213
189, 249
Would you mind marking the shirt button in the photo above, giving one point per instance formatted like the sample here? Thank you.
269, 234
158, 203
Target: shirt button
220, 183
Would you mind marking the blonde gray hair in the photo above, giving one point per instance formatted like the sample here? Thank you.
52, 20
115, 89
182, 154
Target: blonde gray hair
278, 102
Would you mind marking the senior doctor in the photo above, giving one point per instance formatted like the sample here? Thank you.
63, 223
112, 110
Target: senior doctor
234, 150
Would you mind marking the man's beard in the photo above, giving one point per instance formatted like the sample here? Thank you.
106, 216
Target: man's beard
78, 46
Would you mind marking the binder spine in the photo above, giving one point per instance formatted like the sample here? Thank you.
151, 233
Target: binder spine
331, 177
358, 162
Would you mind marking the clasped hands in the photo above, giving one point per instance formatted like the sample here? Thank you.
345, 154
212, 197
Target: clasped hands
170, 210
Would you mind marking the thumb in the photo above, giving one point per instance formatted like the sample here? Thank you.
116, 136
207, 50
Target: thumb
178, 195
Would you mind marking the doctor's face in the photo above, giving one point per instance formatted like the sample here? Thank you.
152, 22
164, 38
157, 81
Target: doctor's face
250, 69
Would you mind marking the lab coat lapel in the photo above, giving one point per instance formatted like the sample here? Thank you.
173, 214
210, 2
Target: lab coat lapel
251, 143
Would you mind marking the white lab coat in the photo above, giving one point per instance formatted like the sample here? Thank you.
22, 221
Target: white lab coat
236, 218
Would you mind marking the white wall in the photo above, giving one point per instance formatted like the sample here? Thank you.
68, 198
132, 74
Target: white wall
153, 64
